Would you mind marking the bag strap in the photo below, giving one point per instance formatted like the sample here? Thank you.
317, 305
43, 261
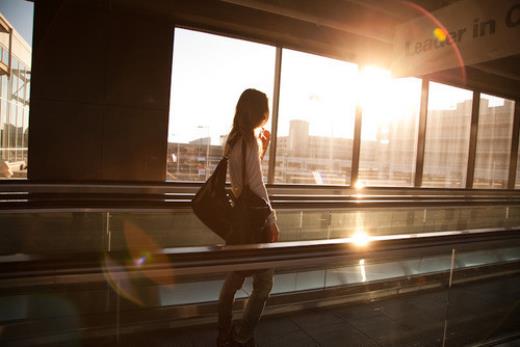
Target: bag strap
244, 182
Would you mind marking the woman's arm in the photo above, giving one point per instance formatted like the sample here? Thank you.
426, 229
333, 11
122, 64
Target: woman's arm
255, 179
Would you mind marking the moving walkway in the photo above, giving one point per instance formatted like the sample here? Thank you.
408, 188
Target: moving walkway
108, 262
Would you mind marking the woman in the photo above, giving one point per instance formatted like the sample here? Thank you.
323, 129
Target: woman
252, 112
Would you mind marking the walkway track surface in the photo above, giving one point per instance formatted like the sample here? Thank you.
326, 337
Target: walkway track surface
469, 314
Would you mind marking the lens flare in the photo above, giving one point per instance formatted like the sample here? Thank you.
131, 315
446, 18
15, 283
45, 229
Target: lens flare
141, 247
359, 184
128, 276
440, 29
360, 238
140, 261
117, 277
440, 34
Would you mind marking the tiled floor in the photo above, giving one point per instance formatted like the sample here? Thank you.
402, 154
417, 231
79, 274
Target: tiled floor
461, 316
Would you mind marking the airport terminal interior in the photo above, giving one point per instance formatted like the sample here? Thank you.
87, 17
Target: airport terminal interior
392, 165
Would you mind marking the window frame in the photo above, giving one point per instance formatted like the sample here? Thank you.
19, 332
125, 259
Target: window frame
421, 133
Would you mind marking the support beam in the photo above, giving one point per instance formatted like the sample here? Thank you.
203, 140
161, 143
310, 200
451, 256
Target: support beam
473, 137
356, 147
274, 118
513, 163
421, 141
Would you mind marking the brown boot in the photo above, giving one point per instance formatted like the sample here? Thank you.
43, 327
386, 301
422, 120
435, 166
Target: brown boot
250, 343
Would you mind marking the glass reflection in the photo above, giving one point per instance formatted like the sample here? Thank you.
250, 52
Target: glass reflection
37, 233
316, 119
389, 128
447, 136
208, 75
495, 131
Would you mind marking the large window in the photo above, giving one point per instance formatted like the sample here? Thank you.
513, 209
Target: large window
208, 75
316, 119
15, 77
389, 128
316, 115
447, 136
495, 131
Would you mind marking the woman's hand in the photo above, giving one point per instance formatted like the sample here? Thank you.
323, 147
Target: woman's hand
272, 232
265, 136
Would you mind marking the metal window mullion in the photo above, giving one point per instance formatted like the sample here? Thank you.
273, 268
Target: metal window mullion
356, 146
274, 118
513, 162
2, 110
9, 105
473, 139
23, 135
10, 56
421, 134
16, 114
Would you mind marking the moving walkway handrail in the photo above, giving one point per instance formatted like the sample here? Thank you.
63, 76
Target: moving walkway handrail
216, 259
278, 189
103, 201
281, 190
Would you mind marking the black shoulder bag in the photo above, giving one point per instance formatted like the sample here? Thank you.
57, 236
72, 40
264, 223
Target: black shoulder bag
212, 203
249, 213
237, 221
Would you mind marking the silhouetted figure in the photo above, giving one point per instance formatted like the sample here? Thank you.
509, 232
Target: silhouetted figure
252, 112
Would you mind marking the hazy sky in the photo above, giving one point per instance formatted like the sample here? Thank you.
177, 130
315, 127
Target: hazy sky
209, 72
20, 14
208, 75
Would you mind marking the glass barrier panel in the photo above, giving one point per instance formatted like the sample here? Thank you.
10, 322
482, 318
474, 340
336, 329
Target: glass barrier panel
51, 233
73, 232
158, 230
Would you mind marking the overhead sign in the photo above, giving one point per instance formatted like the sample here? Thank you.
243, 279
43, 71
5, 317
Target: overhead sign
464, 33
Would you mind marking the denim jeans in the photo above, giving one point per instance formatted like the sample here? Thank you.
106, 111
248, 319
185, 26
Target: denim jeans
262, 285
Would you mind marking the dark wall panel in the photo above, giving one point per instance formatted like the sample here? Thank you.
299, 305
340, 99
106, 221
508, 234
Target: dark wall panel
66, 140
139, 62
69, 52
100, 93
138, 152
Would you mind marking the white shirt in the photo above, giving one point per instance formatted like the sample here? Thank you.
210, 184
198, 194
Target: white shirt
253, 172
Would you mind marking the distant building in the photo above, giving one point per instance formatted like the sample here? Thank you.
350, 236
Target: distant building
201, 141
306, 159
297, 154
494, 145
447, 145
389, 159
15, 78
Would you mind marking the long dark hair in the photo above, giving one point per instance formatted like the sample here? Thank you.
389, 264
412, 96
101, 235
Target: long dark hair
250, 113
